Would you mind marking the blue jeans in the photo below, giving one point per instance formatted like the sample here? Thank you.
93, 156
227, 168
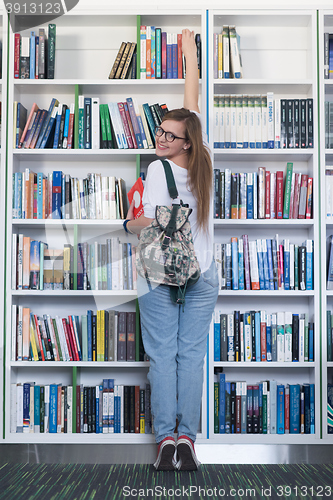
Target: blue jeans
176, 343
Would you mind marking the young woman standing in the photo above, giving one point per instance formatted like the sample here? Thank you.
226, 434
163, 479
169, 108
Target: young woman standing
175, 337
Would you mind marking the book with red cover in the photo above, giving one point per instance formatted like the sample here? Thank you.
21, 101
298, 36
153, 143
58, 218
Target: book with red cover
125, 124
164, 54
129, 121
303, 196
279, 194
180, 55
267, 194
17, 43
32, 113
136, 192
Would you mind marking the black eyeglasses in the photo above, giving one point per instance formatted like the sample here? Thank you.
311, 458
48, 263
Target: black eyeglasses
169, 136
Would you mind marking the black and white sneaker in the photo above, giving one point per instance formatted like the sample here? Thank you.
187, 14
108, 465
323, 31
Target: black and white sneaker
186, 457
166, 454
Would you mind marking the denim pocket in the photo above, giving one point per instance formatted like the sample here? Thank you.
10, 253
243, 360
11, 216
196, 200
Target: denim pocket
210, 276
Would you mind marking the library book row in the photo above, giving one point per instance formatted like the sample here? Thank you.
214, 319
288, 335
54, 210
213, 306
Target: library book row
101, 409
261, 122
60, 196
34, 55
161, 54
113, 125
95, 266
264, 408
106, 335
263, 194
258, 336
264, 264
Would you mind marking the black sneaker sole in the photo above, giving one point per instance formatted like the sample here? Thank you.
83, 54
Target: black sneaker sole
167, 454
185, 458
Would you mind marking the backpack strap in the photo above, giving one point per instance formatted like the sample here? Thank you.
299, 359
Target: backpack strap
170, 179
173, 192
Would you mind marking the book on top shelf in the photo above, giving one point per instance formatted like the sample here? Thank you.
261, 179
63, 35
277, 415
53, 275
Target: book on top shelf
35, 55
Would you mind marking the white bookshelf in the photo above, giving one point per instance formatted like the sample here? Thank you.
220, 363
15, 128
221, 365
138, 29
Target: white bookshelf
326, 160
87, 42
285, 65
86, 45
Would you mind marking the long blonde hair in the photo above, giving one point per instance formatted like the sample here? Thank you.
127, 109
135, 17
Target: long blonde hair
200, 171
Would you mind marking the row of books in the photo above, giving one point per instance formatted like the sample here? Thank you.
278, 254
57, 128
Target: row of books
101, 409
161, 54
264, 264
42, 128
95, 266
328, 55
260, 336
227, 61
106, 335
115, 125
329, 123
262, 122
57, 195
125, 63
263, 194
34, 55
267, 407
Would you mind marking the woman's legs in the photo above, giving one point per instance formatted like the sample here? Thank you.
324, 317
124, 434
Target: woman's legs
159, 325
176, 343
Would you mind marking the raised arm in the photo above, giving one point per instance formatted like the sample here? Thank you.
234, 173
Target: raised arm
191, 92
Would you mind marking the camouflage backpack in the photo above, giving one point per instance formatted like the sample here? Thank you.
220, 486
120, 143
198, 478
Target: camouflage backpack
165, 253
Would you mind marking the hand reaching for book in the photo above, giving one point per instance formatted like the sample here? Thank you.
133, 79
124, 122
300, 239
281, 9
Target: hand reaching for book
188, 44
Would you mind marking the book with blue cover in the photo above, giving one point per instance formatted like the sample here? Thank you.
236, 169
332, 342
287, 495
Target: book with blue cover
56, 194
295, 407
53, 408
217, 336
280, 409
222, 390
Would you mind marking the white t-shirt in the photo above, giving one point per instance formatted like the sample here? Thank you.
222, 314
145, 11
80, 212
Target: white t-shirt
156, 193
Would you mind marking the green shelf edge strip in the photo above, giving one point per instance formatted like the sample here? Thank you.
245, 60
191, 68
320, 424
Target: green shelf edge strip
320, 242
